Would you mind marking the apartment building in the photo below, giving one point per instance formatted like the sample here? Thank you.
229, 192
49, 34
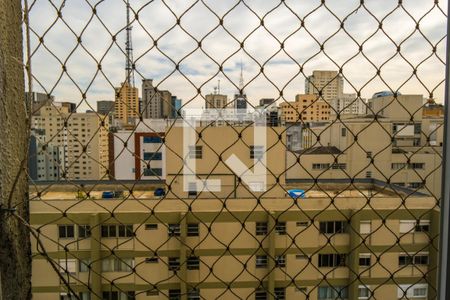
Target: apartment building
390, 148
216, 101
306, 108
139, 154
82, 138
348, 104
277, 248
328, 84
210, 153
126, 108
45, 160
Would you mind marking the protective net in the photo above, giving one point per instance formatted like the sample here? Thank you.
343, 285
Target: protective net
265, 149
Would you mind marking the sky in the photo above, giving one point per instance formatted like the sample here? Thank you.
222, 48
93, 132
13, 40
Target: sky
81, 41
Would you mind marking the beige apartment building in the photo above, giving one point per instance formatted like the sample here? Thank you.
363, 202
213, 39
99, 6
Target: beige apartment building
126, 108
392, 149
81, 137
146, 248
216, 101
306, 108
330, 84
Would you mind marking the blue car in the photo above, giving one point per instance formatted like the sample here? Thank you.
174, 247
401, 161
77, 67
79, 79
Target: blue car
159, 192
295, 194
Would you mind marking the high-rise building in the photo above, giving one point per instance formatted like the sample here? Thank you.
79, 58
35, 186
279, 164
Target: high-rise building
329, 84
166, 102
105, 107
155, 104
71, 107
176, 104
306, 108
216, 101
82, 138
126, 106
37, 100
45, 160
348, 104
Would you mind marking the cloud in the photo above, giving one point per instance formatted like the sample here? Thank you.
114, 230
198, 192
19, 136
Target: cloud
160, 44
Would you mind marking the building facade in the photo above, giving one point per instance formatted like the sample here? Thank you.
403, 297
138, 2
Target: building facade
216, 101
126, 105
306, 108
82, 138
330, 84
192, 249
348, 104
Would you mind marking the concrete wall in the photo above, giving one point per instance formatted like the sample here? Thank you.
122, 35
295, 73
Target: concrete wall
15, 258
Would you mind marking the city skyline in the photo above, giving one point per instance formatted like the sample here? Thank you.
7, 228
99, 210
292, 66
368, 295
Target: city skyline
260, 45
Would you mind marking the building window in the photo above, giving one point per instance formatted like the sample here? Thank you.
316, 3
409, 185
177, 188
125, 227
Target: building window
193, 294
368, 174
152, 172
416, 166
152, 293
301, 256
280, 228
422, 226
175, 294
192, 229
114, 295
418, 259
320, 166
196, 152
174, 263
66, 231
280, 293
152, 140
333, 227
398, 166
410, 226
364, 292
365, 227
408, 291
151, 226
68, 266
415, 185
174, 230
280, 261
260, 294
339, 166
84, 265
332, 260
117, 265
84, 231
152, 156
343, 131
332, 292
151, 260
364, 259
192, 189
193, 263
256, 152
109, 231
369, 154
302, 224
261, 228
261, 261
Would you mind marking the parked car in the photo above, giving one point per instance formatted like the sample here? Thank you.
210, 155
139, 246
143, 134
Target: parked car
159, 192
296, 193
112, 194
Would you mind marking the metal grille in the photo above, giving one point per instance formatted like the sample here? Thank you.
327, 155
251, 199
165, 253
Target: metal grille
349, 207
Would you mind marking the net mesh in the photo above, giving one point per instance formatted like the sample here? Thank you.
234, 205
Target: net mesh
349, 204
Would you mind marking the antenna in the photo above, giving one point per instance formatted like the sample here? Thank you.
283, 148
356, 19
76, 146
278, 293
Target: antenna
129, 72
241, 80
218, 86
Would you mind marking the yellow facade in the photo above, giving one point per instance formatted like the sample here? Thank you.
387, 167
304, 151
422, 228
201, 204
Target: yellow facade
306, 108
126, 108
